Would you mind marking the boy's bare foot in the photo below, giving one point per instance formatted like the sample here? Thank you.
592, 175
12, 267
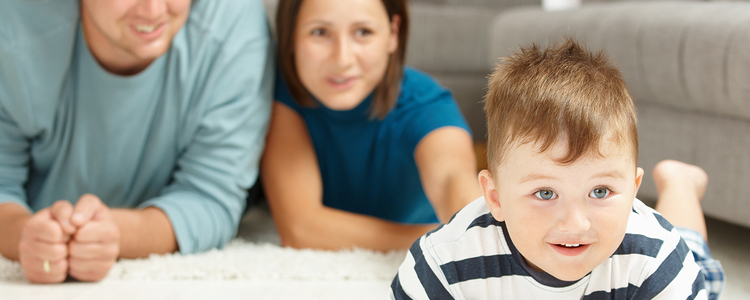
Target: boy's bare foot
681, 188
676, 173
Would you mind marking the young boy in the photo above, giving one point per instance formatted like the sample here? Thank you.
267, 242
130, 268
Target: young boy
559, 218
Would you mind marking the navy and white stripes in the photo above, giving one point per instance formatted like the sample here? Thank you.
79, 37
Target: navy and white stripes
472, 258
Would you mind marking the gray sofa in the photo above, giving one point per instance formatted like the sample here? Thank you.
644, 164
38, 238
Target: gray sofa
451, 40
687, 64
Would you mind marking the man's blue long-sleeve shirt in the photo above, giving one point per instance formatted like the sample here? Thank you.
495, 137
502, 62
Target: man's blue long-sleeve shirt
185, 135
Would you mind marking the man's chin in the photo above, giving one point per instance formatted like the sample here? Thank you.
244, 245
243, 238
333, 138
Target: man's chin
151, 51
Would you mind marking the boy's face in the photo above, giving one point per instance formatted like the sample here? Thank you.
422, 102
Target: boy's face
564, 219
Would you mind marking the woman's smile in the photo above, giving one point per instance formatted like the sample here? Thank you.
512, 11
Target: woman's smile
342, 82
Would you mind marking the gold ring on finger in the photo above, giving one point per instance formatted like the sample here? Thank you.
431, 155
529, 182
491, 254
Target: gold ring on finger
46, 266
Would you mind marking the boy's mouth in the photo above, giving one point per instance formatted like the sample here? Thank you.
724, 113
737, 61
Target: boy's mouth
570, 249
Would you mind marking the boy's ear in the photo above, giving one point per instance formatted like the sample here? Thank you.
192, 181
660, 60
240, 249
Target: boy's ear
638, 179
491, 197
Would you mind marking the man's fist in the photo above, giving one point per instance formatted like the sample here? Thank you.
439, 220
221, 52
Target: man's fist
95, 246
43, 248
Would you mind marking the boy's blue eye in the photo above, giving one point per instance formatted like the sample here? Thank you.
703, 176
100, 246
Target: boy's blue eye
545, 194
599, 192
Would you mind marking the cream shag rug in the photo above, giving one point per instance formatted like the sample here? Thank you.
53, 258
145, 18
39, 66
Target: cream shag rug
254, 255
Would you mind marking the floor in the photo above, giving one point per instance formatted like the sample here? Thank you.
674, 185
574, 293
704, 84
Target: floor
116, 290
730, 244
252, 267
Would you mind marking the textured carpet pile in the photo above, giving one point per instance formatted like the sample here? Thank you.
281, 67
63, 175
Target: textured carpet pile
254, 254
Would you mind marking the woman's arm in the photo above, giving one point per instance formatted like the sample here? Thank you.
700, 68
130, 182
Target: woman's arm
292, 183
448, 170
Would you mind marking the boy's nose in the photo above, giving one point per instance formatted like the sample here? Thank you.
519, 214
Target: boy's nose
573, 217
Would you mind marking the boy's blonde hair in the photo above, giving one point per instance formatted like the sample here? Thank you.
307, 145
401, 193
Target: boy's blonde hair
562, 93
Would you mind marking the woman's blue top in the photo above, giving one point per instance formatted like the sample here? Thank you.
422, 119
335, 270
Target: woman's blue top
367, 164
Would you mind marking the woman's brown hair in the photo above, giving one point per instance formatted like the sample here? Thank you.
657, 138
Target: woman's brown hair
386, 92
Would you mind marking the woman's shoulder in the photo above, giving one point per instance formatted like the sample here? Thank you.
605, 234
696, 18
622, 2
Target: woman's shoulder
415, 78
281, 92
425, 105
418, 86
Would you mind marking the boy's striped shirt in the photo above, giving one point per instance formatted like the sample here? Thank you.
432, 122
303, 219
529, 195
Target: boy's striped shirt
472, 258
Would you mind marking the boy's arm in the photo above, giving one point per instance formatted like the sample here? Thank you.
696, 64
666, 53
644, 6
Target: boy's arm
420, 276
676, 277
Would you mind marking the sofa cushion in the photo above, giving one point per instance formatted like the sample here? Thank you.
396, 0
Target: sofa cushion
449, 38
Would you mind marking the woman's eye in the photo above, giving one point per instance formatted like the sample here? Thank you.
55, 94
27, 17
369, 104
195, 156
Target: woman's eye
599, 192
318, 32
362, 32
545, 194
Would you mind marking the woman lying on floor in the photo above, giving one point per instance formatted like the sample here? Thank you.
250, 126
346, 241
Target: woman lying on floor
362, 151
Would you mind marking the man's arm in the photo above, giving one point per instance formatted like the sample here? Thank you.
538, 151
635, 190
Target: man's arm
135, 232
96, 236
14, 171
12, 219
207, 195
144, 231
37, 241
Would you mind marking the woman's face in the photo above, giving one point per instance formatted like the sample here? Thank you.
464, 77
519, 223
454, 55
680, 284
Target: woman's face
342, 49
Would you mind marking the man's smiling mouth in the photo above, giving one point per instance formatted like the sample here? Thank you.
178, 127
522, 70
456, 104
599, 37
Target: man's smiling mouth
146, 28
